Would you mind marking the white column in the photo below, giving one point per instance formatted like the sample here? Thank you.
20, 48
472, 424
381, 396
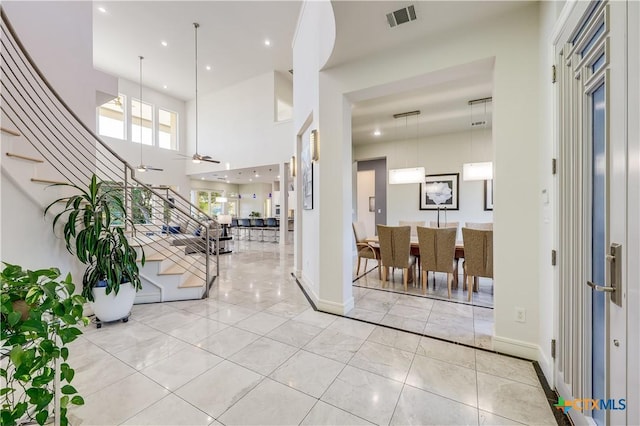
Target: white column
284, 202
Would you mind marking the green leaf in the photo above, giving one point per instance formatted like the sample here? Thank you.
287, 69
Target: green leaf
16, 355
42, 417
19, 410
14, 318
5, 391
77, 400
68, 390
64, 401
65, 353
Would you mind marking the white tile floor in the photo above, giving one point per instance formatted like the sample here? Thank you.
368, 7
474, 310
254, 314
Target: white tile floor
255, 352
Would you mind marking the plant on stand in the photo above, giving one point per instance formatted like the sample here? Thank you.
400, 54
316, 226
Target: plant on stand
39, 314
90, 235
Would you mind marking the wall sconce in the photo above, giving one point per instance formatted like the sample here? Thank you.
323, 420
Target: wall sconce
292, 166
314, 141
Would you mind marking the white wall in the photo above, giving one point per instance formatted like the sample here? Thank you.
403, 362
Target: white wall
312, 45
62, 49
512, 39
439, 154
247, 201
237, 125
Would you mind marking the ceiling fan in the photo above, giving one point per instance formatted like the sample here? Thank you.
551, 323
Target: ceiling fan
197, 157
142, 167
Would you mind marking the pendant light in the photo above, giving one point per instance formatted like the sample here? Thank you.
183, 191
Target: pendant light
198, 158
409, 174
477, 170
142, 167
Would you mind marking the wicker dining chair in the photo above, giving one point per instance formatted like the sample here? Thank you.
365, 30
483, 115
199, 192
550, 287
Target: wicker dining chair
478, 256
395, 252
437, 253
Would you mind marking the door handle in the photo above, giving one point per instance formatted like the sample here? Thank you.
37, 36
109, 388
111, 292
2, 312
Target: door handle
604, 288
614, 274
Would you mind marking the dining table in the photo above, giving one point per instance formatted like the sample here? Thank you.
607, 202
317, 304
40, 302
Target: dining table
415, 251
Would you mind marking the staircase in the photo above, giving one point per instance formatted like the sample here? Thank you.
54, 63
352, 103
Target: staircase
44, 142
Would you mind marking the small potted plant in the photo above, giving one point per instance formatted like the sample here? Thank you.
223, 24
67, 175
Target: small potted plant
39, 315
91, 234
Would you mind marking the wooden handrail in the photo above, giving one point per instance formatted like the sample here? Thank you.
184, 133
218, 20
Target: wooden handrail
52, 182
23, 157
11, 132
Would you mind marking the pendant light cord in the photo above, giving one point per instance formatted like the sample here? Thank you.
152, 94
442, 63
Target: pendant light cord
195, 26
141, 58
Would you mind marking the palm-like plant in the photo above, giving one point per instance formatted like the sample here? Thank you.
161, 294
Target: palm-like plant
89, 234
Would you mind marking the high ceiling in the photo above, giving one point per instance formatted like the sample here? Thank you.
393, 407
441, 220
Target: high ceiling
231, 39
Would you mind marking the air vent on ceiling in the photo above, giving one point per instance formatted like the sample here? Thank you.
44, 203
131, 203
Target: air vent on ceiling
401, 16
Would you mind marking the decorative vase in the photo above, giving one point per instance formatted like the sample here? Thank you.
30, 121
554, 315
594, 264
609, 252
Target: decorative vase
113, 307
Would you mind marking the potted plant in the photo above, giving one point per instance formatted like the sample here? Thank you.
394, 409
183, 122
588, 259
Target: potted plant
112, 276
39, 314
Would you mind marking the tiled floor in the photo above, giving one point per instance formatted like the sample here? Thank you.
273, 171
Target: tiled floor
256, 353
433, 314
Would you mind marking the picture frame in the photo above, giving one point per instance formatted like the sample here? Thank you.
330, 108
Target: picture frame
440, 191
307, 177
488, 194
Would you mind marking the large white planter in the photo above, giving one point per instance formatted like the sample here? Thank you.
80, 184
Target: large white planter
112, 307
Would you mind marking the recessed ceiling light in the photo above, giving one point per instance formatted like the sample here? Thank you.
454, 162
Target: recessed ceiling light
164, 43
228, 181
226, 176
377, 133
102, 9
202, 178
267, 42
228, 166
164, 86
250, 180
208, 67
278, 176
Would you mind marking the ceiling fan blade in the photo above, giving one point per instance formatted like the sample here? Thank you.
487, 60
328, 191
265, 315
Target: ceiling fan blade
143, 168
209, 160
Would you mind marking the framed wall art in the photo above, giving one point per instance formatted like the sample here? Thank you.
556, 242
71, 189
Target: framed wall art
440, 191
307, 177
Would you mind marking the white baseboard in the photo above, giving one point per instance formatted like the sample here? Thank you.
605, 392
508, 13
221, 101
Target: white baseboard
335, 308
516, 348
325, 305
546, 365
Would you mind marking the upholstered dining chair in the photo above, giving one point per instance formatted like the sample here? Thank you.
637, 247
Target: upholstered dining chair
437, 253
413, 225
478, 256
479, 225
434, 224
365, 250
395, 252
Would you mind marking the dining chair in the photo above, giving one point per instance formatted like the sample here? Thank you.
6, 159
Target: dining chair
478, 256
479, 225
413, 225
395, 252
365, 250
434, 224
437, 254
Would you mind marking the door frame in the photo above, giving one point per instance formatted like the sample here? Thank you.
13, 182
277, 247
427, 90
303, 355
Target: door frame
627, 163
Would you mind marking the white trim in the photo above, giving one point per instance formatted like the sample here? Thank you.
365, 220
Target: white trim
516, 347
546, 365
335, 308
325, 305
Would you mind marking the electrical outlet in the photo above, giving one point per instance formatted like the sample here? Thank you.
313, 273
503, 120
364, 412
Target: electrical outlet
521, 315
